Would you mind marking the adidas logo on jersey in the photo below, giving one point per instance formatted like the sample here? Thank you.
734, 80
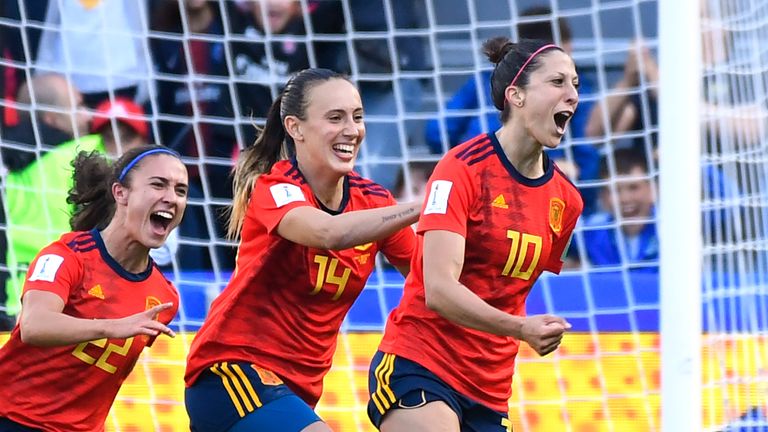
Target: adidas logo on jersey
96, 292
499, 202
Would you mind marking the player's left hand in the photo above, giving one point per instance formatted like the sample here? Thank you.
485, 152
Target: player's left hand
544, 333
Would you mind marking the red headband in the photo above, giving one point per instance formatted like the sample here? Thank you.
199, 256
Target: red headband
535, 53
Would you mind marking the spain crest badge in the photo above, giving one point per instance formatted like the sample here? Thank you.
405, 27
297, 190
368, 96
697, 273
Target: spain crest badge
556, 209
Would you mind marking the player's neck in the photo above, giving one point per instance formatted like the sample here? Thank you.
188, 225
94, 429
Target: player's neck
327, 187
524, 153
132, 256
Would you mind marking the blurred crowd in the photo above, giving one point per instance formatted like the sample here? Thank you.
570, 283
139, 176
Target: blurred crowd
199, 75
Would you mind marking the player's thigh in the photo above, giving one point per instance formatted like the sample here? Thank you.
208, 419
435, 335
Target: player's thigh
433, 417
317, 427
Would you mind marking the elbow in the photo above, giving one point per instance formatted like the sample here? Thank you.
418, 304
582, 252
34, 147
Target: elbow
433, 299
331, 237
29, 333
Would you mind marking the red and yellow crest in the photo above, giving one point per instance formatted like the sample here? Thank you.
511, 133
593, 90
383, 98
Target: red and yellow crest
556, 209
152, 302
267, 377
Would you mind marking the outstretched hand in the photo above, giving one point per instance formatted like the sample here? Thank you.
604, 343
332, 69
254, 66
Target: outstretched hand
544, 332
142, 323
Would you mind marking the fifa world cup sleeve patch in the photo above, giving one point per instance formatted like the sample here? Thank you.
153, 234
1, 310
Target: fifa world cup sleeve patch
438, 197
284, 193
46, 268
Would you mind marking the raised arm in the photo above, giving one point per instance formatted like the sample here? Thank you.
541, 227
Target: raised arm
620, 110
43, 323
446, 295
312, 227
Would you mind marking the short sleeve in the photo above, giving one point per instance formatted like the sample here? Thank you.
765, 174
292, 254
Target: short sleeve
273, 197
449, 198
55, 269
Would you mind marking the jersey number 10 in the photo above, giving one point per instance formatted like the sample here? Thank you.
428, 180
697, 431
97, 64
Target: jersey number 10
518, 252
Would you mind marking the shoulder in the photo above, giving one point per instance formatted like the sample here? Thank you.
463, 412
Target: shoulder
76, 242
283, 175
67, 251
282, 185
284, 171
161, 281
569, 190
469, 153
374, 194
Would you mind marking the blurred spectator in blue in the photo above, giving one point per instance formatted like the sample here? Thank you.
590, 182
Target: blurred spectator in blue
625, 231
256, 71
194, 105
461, 128
99, 44
624, 107
192, 89
382, 155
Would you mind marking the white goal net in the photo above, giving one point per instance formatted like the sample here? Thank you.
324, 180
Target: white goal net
204, 72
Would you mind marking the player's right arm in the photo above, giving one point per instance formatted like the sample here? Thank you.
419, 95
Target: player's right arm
446, 295
315, 228
44, 324
52, 276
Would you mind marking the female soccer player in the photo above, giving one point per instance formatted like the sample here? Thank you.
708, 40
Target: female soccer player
499, 212
94, 299
310, 229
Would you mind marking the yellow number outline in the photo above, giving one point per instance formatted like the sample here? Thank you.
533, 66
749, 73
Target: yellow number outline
101, 362
517, 255
330, 276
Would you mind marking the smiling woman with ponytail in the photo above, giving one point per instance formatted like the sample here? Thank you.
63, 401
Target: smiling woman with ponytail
310, 229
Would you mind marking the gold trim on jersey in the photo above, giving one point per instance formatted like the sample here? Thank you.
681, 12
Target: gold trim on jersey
383, 397
238, 387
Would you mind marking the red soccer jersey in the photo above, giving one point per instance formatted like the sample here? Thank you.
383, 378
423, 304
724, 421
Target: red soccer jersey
71, 388
284, 305
515, 228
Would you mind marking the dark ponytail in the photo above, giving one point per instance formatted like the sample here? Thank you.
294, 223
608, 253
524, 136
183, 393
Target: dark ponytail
510, 59
91, 192
92, 178
255, 160
273, 143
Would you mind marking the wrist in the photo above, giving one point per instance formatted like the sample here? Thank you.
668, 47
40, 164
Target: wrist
515, 327
104, 328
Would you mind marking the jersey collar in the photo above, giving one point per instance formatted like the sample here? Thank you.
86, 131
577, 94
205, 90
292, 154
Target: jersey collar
114, 265
344, 197
549, 166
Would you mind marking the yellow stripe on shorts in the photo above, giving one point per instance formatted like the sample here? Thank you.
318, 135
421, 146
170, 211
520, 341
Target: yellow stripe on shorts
383, 397
229, 389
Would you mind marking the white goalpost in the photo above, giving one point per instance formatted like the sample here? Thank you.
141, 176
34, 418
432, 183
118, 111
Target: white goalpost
680, 215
